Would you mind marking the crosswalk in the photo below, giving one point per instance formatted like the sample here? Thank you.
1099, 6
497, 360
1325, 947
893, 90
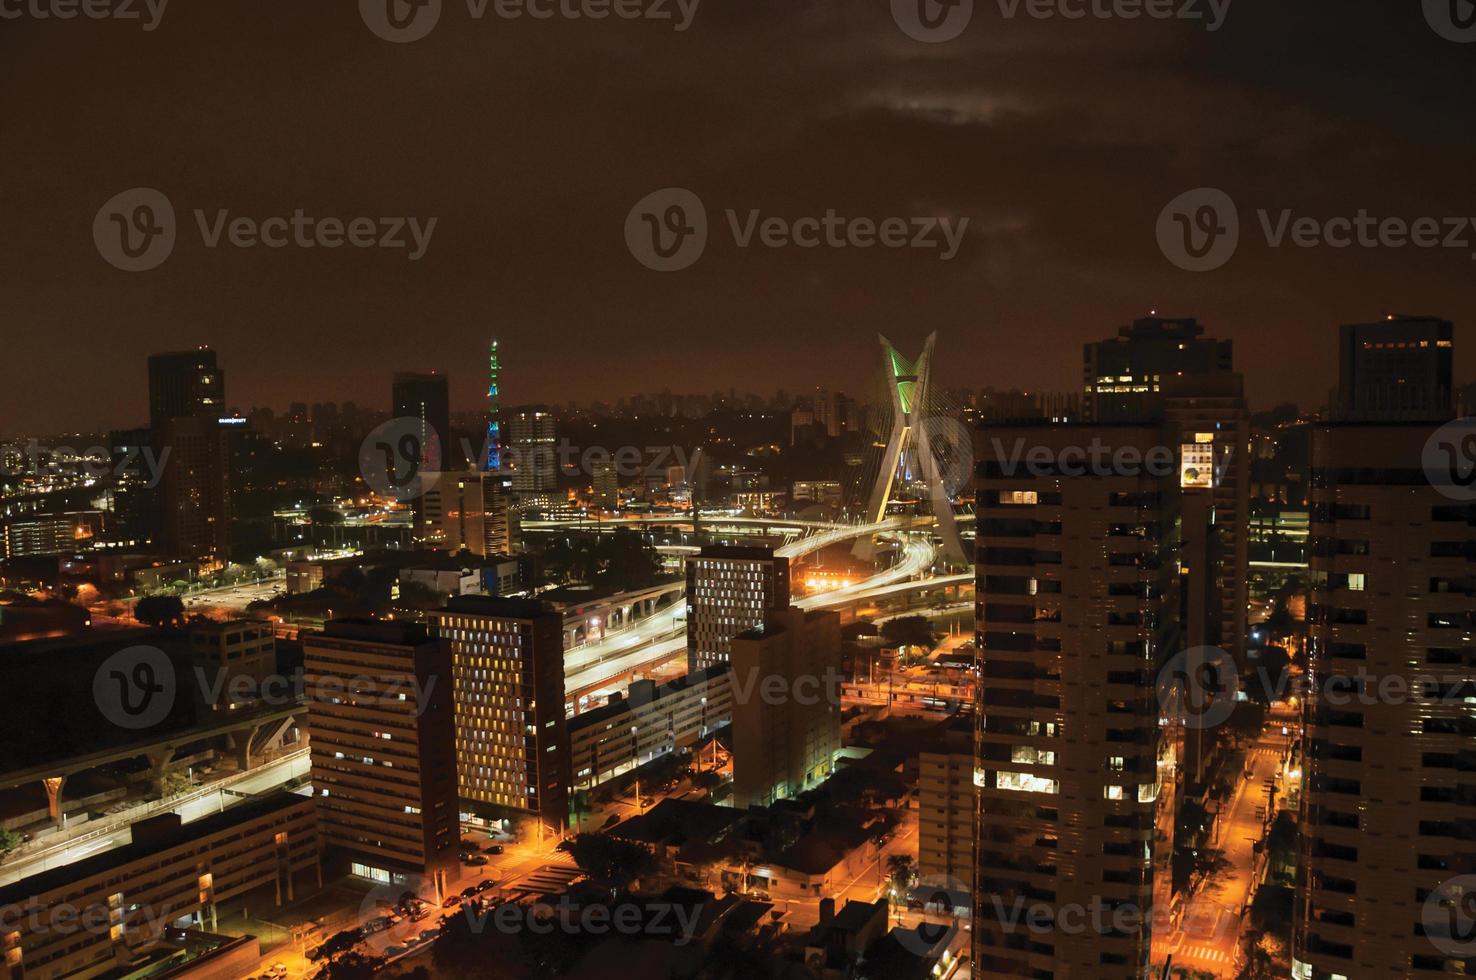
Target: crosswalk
551, 879
1201, 954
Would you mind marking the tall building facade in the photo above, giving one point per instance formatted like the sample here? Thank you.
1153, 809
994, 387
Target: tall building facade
531, 435
945, 810
785, 735
1400, 366
426, 397
467, 511
185, 384
1388, 740
383, 742
512, 756
730, 589
1123, 373
191, 505
1072, 576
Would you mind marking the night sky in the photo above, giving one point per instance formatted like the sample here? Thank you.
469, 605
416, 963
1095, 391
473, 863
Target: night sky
529, 142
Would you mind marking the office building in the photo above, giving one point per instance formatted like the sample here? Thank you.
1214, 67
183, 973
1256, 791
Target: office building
1123, 374
1397, 367
107, 913
512, 744
945, 810
467, 511
51, 534
531, 435
234, 658
730, 589
786, 705
1072, 579
426, 398
191, 505
605, 484
382, 732
1388, 739
185, 384
648, 722
1209, 425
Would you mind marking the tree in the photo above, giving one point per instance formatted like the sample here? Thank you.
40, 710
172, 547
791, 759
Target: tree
159, 610
352, 966
909, 631
900, 870
174, 783
608, 859
9, 841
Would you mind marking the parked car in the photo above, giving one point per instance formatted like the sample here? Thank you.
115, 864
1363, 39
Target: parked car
451, 901
467, 844
394, 950
421, 911
428, 934
494, 848
475, 860
377, 924
277, 970
469, 892
485, 884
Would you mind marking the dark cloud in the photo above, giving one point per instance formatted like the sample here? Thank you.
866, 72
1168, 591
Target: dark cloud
1060, 140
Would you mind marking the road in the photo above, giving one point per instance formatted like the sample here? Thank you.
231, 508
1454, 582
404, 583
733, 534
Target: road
106, 833
1209, 934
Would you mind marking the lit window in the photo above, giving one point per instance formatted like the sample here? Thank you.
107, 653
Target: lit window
1356, 581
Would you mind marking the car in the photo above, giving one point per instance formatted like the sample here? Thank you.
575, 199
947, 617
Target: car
451, 901
469, 892
494, 848
475, 860
421, 911
277, 970
377, 924
467, 844
485, 884
394, 950
395, 918
426, 935
759, 894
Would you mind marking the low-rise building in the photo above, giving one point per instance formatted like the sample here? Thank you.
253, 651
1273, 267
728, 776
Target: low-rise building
103, 914
649, 722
